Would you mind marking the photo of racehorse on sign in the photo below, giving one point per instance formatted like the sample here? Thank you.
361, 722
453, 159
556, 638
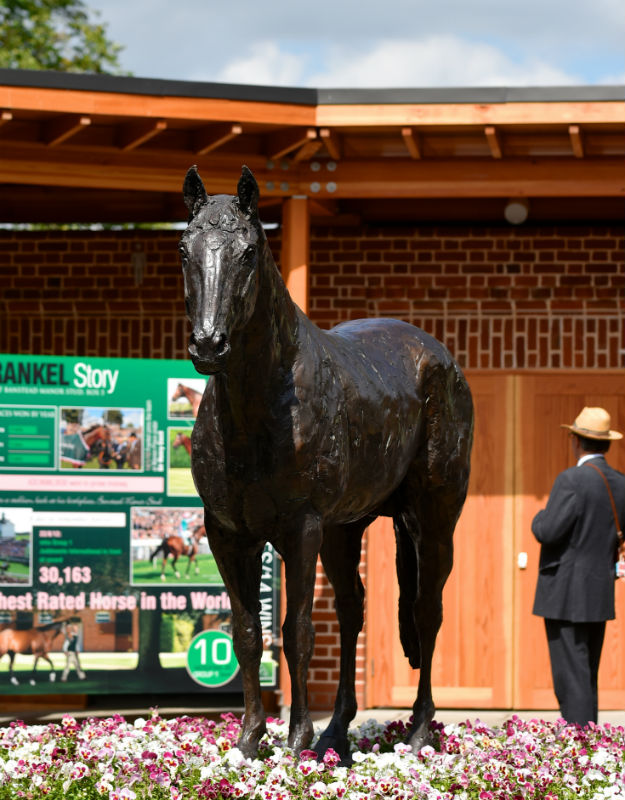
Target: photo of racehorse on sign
169, 545
179, 478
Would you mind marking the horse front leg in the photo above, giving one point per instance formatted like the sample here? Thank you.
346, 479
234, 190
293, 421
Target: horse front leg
340, 554
300, 554
240, 565
174, 565
12, 677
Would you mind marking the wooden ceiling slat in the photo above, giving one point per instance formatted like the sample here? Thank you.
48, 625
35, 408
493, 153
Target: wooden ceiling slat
577, 143
133, 136
63, 128
213, 137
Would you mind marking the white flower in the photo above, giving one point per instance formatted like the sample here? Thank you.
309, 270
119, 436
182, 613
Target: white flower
234, 757
10, 766
599, 758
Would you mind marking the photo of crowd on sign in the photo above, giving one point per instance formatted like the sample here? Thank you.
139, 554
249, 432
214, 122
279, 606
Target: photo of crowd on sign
101, 438
16, 546
169, 545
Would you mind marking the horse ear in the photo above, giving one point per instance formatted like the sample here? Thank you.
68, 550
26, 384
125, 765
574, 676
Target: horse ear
248, 192
193, 191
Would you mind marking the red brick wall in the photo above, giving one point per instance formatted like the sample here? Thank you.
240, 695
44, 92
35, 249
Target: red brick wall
500, 297
530, 297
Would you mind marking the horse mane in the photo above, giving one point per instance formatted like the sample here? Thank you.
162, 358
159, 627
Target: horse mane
50, 626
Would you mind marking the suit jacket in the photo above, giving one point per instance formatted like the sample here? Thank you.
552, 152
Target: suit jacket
579, 545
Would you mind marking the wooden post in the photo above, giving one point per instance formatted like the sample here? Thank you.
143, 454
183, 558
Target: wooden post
295, 248
294, 266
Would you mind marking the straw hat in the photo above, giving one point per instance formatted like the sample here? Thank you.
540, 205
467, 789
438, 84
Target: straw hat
593, 423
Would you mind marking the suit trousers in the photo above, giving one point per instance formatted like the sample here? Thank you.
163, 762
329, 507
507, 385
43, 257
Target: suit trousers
575, 651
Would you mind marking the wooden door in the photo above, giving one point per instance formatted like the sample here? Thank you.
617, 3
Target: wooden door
544, 401
491, 651
472, 664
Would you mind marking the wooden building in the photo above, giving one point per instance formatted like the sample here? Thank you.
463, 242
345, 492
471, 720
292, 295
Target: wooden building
492, 218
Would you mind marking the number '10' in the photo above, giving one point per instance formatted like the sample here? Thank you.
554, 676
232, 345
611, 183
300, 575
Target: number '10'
221, 651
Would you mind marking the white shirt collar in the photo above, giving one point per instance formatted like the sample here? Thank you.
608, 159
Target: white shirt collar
587, 457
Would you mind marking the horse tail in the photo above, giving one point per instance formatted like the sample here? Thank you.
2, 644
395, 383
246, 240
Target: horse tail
158, 550
407, 564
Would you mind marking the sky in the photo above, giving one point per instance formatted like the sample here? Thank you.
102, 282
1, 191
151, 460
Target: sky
358, 43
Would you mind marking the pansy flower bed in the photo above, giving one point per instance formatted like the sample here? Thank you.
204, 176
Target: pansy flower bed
196, 758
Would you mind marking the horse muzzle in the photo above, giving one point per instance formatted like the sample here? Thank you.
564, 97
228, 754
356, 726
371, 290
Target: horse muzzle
209, 352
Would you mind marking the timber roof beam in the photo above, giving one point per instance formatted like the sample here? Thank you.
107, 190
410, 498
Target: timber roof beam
283, 143
212, 137
577, 143
132, 136
59, 130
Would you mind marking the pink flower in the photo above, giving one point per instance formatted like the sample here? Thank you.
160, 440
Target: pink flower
331, 758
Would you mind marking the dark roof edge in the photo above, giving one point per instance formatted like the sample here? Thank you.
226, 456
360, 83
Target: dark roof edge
477, 94
121, 84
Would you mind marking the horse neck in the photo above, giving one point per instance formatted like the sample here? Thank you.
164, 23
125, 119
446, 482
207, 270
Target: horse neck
269, 340
190, 394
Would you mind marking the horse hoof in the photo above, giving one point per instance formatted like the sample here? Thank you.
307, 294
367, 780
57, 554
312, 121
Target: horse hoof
177, 574
52, 677
163, 578
32, 682
15, 682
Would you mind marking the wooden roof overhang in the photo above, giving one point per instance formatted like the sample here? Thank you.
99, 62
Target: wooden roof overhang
92, 148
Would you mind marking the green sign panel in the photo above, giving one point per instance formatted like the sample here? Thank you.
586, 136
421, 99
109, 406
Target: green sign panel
211, 660
102, 542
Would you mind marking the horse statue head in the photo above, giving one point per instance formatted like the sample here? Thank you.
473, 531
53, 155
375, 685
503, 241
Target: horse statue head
220, 252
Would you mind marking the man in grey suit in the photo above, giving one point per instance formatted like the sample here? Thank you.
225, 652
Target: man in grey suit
579, 538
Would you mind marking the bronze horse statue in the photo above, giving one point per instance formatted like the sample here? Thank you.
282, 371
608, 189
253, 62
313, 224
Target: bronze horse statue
174, 547
302, 439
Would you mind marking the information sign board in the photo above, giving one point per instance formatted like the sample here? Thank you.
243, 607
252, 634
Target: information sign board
105, 569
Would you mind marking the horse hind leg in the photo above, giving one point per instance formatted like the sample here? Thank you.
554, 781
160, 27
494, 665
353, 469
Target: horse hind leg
340, 555
424, 561
52, 670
